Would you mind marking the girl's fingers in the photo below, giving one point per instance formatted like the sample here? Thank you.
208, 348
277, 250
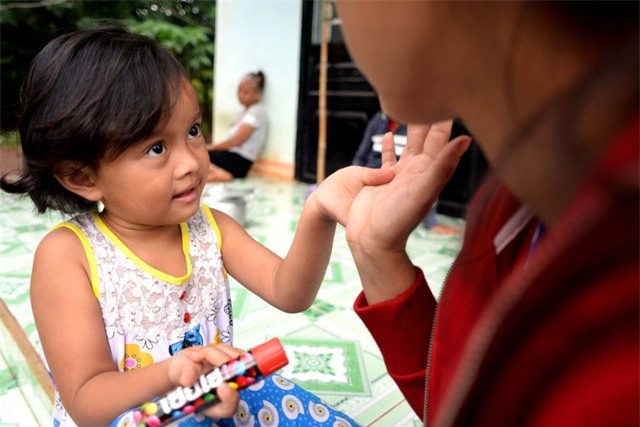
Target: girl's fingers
376, 176
184, 372
227, 404
215, 355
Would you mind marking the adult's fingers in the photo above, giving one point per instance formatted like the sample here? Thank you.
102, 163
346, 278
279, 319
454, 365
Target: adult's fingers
448, 158
416, 135
438, 135
388, 155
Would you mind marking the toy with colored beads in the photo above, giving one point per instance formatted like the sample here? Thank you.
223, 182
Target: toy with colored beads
183, 402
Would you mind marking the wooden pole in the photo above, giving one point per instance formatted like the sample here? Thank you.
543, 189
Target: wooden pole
322, 92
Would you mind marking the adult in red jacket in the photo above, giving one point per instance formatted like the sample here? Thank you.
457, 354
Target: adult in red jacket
537, 323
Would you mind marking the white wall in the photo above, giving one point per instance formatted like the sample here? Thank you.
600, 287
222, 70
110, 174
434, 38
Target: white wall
253, 35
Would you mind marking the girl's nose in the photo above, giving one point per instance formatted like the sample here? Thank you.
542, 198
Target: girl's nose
187, 160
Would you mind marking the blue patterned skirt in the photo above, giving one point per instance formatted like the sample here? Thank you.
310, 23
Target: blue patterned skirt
271, 402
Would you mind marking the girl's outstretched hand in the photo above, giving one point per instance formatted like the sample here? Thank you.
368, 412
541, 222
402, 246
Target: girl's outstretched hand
382, 217
334, 196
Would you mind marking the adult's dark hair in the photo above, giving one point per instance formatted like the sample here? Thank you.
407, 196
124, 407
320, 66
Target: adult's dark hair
607, 31
595, 19
89, 94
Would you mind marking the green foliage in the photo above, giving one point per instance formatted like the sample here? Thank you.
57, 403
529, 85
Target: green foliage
10, 140
185, 27
195, 50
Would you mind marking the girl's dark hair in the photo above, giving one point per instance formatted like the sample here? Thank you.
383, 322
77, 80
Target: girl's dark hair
89, 94
258, 78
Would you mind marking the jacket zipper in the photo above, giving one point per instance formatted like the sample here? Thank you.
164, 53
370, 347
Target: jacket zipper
470, 370
427, 381
425, 411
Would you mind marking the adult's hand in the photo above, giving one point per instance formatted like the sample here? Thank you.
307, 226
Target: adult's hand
382, 217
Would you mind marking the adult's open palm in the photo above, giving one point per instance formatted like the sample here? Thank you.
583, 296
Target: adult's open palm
384, 216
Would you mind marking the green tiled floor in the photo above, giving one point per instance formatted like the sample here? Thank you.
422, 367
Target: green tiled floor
331, 353
14, 410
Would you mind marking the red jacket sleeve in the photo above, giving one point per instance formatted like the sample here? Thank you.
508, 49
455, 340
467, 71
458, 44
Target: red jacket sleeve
403, 323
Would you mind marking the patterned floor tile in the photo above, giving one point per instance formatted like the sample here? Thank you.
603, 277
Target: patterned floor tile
333, 366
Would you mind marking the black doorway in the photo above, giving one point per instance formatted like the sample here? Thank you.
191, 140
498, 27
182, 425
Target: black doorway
351, 103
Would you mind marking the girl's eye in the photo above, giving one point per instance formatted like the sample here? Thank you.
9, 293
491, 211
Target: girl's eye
194, 132
156, 150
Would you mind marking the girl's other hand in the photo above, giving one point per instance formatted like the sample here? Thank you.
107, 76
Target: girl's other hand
190, 363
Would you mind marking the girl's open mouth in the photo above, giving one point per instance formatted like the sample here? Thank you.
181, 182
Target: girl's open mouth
186, 195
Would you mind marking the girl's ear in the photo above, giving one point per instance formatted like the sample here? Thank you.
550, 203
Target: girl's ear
79, 180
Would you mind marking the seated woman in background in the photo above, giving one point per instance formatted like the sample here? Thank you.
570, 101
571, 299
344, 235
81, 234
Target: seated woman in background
233, 156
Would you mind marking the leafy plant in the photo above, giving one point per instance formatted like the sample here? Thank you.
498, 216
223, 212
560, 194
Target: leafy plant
195, 50
185, 27
9, 140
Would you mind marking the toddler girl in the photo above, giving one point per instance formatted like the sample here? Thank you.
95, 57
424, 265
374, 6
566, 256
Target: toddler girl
129, 294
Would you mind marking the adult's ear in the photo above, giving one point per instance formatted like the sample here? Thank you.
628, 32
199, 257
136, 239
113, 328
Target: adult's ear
79, 180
